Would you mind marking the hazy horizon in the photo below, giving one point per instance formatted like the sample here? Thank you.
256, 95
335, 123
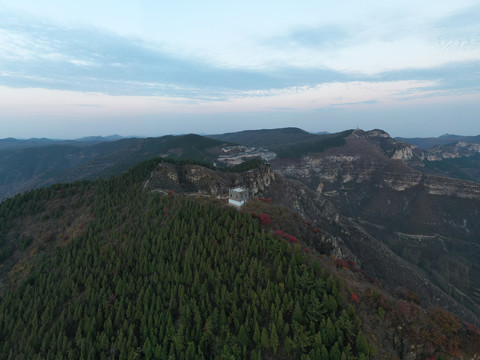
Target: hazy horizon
209, 134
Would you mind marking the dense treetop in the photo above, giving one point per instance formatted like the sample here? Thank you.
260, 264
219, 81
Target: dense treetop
167, 276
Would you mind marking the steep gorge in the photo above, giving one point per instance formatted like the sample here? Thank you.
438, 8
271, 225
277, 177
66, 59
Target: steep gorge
410, 228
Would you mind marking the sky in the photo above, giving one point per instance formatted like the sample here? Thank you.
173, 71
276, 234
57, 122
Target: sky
151, 67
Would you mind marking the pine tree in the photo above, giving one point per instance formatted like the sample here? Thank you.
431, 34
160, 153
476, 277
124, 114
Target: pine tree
330, 332
279, 274
190, 352
335, 352
256, 334
243, 337
274, 338
325, 355
264, 338
362, 344
297, 313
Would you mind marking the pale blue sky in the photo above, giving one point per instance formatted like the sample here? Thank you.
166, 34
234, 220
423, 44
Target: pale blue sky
71, 69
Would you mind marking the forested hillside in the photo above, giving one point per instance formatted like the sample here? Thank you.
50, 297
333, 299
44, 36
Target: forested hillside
286, 142
170, 277
111, 270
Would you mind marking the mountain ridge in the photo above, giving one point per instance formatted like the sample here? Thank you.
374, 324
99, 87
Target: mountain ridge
117, 237
446, 139
26, 168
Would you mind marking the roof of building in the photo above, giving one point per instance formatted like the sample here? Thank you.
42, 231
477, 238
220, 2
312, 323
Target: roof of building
239, 189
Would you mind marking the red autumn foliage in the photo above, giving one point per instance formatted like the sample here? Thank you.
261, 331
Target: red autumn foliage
268, 200
354, 297
316, 230
307, 249
170, 192
265, 219
278, 232
309, 223
351, 264
292, 239
340, 263
260, 198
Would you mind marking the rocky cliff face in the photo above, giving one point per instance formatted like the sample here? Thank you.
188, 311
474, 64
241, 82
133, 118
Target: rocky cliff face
367, 157
452, 151
199, 179
396, 149
369, 180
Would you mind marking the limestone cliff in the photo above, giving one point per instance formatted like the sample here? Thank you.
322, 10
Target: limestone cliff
370, 180
199, 179
452, 151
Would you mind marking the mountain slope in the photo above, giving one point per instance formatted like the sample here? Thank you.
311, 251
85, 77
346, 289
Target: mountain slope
286, 142
464, 168
459, 160
146, 275
153, 276
429, 221
27, 168
269, 138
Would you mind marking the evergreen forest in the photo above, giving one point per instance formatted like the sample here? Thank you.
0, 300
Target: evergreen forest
155, 276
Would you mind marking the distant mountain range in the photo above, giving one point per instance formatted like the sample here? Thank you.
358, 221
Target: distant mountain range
26, 164
426, 143
12, 143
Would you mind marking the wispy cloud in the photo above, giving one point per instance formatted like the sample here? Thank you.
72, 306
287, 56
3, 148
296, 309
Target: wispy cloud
320, 37
37, 54
383, 41
460, 32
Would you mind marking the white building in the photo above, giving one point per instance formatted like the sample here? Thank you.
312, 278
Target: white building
238, 196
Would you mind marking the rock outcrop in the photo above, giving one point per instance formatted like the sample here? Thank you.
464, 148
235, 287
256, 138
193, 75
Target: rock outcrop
452, 151
370, 181
199, 179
